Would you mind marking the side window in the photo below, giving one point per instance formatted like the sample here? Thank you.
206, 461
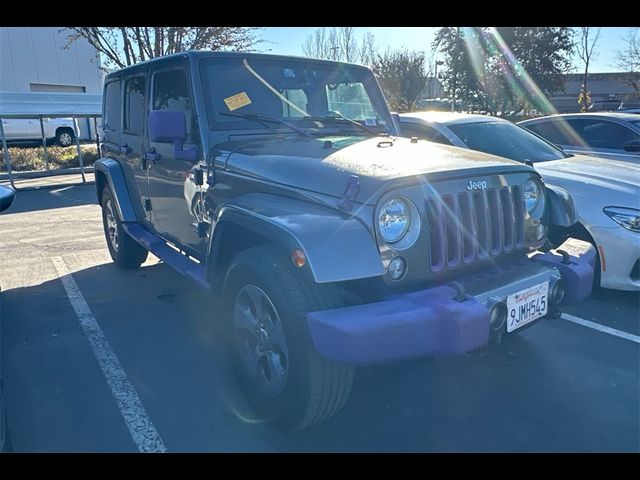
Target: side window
171, 92
111, 115
603, 134
553, 131
134, 105
351, 100
424, 132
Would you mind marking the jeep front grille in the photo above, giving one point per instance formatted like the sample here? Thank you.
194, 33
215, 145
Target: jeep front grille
469, 226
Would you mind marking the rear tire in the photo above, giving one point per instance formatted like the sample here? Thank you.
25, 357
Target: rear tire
283, 377
125, 251
65, 137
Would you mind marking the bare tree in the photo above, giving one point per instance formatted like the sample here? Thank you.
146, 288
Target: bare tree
368, 49
316, 44
628, 59
124, 46
340, 44
586, 49
402, 75
348, 44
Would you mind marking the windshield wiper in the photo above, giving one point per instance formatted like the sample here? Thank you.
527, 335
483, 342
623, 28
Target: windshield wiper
263, 117
338, 117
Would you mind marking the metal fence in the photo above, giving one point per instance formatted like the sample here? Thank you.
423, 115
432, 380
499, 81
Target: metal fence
44, 105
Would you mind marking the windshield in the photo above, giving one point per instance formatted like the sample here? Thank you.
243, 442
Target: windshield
506, 140
292, 90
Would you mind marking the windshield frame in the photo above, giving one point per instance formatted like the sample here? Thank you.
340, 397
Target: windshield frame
242, 126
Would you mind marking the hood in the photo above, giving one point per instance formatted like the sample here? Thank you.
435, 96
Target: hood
324, 165
607, 181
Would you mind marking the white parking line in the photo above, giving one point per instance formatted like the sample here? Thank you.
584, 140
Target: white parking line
141, 428
601, 328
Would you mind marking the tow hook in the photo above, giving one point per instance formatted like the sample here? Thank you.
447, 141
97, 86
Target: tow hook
566, 258
460, 293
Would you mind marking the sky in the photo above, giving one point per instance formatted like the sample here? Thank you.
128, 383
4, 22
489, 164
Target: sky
289, 40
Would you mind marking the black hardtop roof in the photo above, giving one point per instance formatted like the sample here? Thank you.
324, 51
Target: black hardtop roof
200, 54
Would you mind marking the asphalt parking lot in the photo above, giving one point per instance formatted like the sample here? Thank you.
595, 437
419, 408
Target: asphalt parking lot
558, 386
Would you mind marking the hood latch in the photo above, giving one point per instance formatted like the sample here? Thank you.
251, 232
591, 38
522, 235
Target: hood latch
351, 190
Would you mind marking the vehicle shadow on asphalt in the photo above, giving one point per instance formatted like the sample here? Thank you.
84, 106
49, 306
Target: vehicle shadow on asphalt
512, 397
620, 297
520, 395
54, 197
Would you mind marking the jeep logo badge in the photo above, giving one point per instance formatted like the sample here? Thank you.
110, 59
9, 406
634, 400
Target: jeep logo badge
476, 185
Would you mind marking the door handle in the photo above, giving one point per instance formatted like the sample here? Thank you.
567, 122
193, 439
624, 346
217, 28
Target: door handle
124, 148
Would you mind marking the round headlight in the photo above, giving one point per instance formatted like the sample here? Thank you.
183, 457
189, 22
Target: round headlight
394, 219
532, 194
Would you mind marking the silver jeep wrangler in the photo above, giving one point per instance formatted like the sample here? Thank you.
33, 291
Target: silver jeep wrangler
280, 184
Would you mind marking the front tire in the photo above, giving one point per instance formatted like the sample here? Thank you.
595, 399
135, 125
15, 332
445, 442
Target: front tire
283, 377
581, 233
125, 251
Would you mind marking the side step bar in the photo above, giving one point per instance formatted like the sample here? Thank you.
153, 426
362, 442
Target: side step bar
176, 260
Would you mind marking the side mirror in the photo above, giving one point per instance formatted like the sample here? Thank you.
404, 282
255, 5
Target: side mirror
632, 146
7, 195
170, 126
396, 123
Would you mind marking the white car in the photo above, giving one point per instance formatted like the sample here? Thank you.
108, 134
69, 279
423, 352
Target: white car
606, 192
59, 130
610, 135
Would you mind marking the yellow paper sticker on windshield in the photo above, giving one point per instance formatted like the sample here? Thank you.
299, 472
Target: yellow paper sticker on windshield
237, 101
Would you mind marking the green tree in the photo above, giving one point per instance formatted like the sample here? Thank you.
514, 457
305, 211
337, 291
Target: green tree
402, 76
504, 70
124, 46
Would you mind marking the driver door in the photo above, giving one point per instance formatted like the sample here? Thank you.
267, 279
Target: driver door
172, 189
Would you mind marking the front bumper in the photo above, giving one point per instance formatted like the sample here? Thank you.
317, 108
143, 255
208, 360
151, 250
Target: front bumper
621, 250
432, 321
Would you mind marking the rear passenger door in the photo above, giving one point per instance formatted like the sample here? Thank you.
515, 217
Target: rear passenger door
132, 141
112, 117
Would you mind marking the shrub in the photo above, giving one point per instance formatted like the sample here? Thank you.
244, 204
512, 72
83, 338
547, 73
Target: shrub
25, 159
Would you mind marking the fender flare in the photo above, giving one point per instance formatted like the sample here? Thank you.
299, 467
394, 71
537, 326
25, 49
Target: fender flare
338, 247
562, 209
114, 176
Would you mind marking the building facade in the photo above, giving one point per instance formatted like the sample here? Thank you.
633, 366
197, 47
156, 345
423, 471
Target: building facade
39, 59
608, 91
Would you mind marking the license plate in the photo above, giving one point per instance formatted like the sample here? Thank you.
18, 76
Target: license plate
527, 305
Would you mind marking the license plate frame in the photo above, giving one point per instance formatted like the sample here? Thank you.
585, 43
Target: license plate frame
527, 305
